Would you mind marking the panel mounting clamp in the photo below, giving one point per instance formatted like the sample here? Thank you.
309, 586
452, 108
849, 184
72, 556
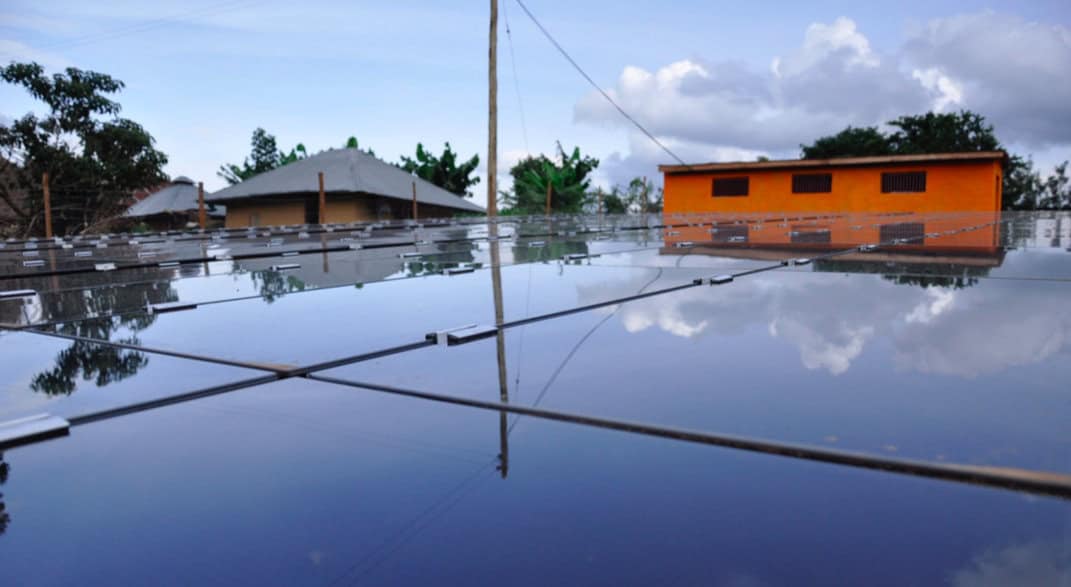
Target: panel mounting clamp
461, 334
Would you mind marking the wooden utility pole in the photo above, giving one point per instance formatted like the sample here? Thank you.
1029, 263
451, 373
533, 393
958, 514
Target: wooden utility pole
492, 213
48, 205
549, 187
492, 115
323, 200
201, 204
414, 202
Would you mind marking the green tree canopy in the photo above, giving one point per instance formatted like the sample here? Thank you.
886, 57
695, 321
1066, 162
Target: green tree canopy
942, 133
444, 170
265, 155
952, 132
567, 178
94, 158
850, 142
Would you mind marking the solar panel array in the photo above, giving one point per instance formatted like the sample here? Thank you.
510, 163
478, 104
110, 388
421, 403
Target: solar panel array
895, 353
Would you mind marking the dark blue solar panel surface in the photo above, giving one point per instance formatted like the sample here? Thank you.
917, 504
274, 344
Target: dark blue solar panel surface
952, 350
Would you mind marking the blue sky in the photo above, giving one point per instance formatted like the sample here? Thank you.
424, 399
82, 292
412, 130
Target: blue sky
714, 80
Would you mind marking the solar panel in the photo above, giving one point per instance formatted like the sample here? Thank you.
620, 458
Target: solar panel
570, 380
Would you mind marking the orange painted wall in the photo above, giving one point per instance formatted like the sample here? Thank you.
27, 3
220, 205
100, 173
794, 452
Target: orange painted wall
950, 187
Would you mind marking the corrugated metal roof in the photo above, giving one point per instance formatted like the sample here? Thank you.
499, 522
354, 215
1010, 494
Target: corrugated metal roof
345, 171
179, 196
838, 162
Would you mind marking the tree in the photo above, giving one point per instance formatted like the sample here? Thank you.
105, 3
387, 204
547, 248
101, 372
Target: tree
95, 159
942, 133
264, 156
1021, 185
1055, 190
953, 132
567, 178
614, 202
443, 171
850, 142
640, 188
5, 518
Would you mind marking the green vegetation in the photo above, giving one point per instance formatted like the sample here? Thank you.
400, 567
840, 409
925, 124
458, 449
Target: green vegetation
1023, 187
95, 159
265, 156
567, 177
628, 199
444, 170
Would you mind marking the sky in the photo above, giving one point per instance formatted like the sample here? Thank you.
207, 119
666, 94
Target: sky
714, 81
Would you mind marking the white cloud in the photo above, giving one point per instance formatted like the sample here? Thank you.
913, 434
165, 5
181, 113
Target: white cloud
949, 92
1012, 71
1035, 563
822, 41
16, 51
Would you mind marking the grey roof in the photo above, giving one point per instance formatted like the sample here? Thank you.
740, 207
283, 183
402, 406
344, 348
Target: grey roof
345, 171
179, 196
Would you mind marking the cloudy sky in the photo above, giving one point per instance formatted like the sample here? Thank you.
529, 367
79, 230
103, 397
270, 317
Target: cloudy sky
713, 80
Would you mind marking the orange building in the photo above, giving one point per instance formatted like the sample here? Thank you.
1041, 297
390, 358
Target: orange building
945, 182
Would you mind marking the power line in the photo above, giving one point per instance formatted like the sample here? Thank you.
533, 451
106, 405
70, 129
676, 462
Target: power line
576, 66
516, 80
151, 24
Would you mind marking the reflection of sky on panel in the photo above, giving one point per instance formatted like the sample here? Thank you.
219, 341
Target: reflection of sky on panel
303, 482
948, 350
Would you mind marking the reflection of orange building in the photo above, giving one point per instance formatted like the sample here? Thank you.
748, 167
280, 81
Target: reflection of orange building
947, 182
971, 238
976, 231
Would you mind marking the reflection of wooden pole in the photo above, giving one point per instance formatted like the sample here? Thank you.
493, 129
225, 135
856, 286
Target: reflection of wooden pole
48, 205
414, 202
492, 114
643, 204
323, 247
500, 349
201, 204
323, 200
549, 187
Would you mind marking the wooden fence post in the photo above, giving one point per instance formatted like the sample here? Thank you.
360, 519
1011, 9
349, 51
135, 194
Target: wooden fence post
323, 199
201, 205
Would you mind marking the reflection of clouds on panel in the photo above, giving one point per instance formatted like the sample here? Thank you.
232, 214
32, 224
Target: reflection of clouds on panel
965, 332
996, 327
833, 351
940, 300
1034, 563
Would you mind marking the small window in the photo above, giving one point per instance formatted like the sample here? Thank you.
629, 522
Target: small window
730, 186
254, 219
729, 233
810, 235
812, 183
911, 181
905, 232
